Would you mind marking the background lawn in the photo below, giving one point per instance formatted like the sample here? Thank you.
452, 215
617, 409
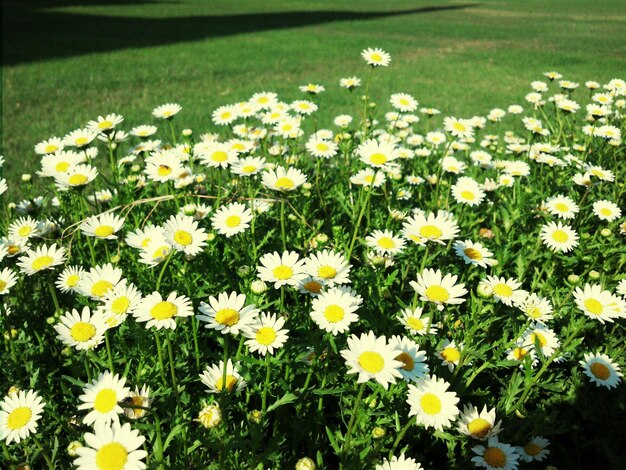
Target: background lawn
68, 61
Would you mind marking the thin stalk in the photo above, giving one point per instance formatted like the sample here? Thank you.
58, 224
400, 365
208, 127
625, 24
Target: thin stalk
225, 373
358, 221
405, 428
55, 300
282, 224
160, 354
355, 409
170, 356
109, 355
267, 384
160, 278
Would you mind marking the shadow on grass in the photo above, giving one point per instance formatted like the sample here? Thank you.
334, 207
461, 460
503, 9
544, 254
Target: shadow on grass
32, 33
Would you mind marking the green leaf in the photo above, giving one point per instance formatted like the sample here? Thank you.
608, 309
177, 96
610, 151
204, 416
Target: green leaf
284, 400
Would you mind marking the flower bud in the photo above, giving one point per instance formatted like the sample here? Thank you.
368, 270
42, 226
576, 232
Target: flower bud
210, 416
307, 186
378, 433
115, 258
484, 290
255, 417
26, 178
13, 390
210, 237
605, 232
305, 463
594, 275
573, 279
189, 209
73, 447
243, 270
186, 132
258, 287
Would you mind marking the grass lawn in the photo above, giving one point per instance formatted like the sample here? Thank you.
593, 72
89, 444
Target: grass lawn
68, 61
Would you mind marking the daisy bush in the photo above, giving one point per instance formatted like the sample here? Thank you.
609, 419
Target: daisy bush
392, 289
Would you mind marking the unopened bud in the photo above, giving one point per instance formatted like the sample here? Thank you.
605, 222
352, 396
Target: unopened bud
73, 447
255, 416
186, 132
26, 177
573, 279
378, 433
258, 287
605, 232
594, 275
484, 290
305, 463
210, 416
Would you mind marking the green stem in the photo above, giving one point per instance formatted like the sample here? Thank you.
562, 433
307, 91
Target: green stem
110, 356
55, 300
170, 356
43, 452
267, 384
355, 409
282, 224
406, 427
358, 221
160, 278
160, 354
86, 365
225, 373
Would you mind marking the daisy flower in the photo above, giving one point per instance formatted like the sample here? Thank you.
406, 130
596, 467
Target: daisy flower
81, 331
161, 313
458, 127
597, 303
75, 177
266, 334
60, 162
432, 287
143, 131
436, 228
473, 253
495, 455
19, 414
399, 463
385, 242
372, 358
99, 280
166, 111
332, 268
213, 378
413, 360
403, 102
312, 88
520, 351
13, 246
156, 251
606, 210
322, 148
215, 154
368, 177
24, 228
224, 115
101, 397
376, 57
450, 354
479, 425
416, 323
103, 226
52, 145
112, 447
248, 166
350, 83
559, 237
7, 280
231, 219
601, 370
303, 107
431, 403
120, 302
467, 191
42, 258
333, 310
163, 166
377, 154
227, 313
311, 285
183, 234
79, 138
505, 290
562, 206
535, 450
105, 124
282, 179
538, 334
282, 269
536, 308
264, 100
142, 236
138, 398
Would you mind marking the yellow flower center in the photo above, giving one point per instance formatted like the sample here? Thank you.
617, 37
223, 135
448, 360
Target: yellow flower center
431, 404
334, 313
519, 353
322, 147
105, 400
313, 286
13, 249
284, 183
77, 179
369, 179
479, 427
533, 311
111, 456
82, 331
473, 253
62, 167
50, 148
2, 285
538, 337
371, 362
183, 238
42, 262
163, 310
559, 236
19, 417
81, 141
227, 316
503, 290
415, 323
593, 306
104, 231
326, 272
459, 126
561, 207
430, 231
601, 371
437, 294
105, 124
282, 272
468, 195
161, 252
120, 305
451, 355
233, 221
164, 170
219, 156
532, 449
376, 57
378, 159
605, 211
72, 280
407, 361
230, 383
495, 457
100, 288
24, 231
386, 242
248, 168
404, 102
266, 335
